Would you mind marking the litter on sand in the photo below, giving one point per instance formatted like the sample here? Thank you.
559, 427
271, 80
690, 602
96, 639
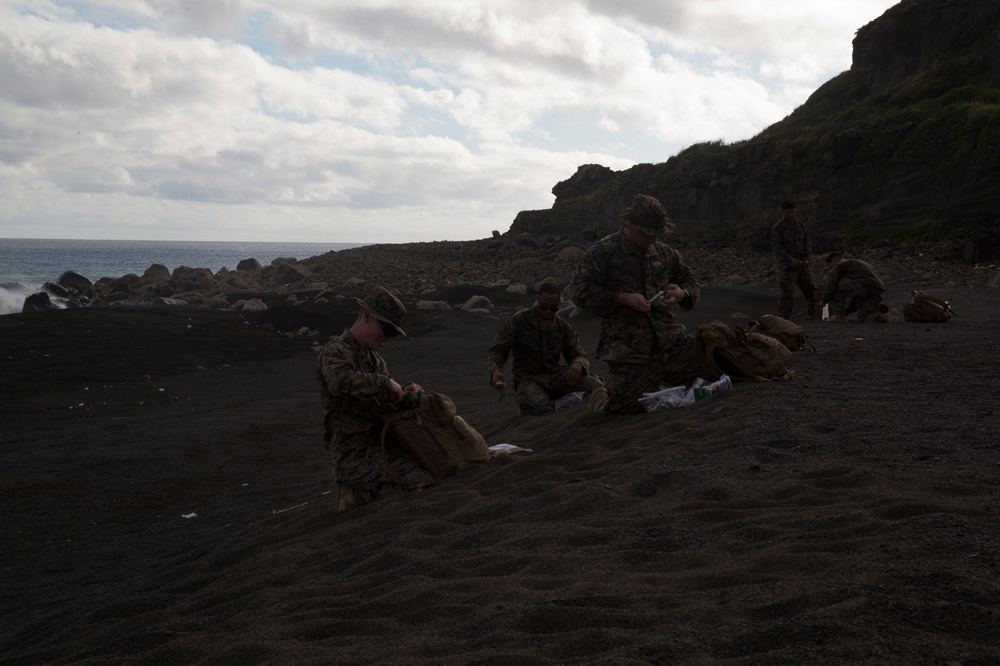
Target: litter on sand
507, 449
682, 396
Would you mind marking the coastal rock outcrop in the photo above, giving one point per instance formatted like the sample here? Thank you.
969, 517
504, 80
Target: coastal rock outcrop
905, 144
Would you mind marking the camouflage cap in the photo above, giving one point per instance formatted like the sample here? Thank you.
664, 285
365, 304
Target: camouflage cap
647, 215
385, 307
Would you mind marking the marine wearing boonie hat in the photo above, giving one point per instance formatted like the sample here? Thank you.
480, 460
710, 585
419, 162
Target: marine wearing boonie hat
647, 215
385, 307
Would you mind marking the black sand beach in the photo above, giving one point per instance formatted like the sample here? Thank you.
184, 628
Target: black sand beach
847, 516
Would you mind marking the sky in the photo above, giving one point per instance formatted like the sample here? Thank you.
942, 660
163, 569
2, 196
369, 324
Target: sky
364, 121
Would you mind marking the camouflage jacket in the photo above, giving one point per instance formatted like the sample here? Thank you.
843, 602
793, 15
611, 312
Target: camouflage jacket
789, 240
536, 351
853, 269
614, 265
354, 388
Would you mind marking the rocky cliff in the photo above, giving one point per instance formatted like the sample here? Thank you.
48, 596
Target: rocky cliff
905, 144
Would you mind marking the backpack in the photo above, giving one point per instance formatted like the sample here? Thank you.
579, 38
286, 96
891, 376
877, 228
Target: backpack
432, 435
742, 354
790, 334
927, 309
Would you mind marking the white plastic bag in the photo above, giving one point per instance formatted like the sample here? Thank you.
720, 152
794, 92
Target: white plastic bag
675, 396
570, 399
682, 396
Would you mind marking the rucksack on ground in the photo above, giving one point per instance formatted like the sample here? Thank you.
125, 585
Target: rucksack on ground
927, 309
434, 436
788, 333
742, 354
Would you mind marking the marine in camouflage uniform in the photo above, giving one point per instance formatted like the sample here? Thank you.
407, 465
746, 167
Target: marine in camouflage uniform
355, 390
792, 250
853, 286
641, 341
539, 340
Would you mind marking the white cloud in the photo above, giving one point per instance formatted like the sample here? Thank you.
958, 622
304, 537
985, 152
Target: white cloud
354, 120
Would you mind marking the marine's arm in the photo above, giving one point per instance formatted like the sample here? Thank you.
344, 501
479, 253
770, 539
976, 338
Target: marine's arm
686, 280
340, 377
588, 290
572, 350
500, 349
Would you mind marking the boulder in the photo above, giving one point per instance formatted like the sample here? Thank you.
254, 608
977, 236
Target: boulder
252, 305
287, 273
154, 274
168, 301
248, 265
432, 305
530, 270
477, 303
74, 282
37, 302
127, 284
186, 279
571, 254
354, 284
56, 290
160, 290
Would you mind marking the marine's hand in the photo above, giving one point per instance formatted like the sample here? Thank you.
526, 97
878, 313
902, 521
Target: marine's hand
496, 379
633, 300
395, 392
571, 376
673, 294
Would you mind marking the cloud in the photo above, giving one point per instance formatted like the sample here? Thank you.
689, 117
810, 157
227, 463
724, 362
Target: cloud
251, 119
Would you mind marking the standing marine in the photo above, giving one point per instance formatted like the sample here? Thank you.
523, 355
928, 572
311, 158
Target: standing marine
633, 281
792, 251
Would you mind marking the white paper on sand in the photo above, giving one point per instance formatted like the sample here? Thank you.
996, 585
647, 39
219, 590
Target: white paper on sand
507, 449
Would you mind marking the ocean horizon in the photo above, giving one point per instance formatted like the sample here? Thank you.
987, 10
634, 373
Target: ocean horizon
28, 263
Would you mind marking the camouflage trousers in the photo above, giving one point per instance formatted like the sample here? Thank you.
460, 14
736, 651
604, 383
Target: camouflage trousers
628, 381
535, 393
788, 280
855, 295
361, 476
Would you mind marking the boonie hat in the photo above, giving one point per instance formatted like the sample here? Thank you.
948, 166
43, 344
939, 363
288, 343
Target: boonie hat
385, 307
647, 215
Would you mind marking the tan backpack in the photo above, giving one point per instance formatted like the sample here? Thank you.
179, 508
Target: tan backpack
927, 309
742, 354
432, 435
788, 333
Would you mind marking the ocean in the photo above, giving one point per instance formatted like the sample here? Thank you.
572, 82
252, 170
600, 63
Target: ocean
27, 263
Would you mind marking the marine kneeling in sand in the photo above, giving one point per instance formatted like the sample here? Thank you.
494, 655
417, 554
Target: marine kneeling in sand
539, 339
356, 389
853, 287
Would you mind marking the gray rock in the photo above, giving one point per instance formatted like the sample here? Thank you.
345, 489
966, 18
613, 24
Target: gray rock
477, 303
252, 305
432, 305
530, 270
156, 273
248, 265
